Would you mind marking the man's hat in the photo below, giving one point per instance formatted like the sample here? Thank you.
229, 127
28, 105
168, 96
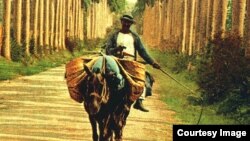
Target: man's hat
127, 18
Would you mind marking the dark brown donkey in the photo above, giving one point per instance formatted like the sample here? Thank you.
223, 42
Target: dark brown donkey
107, 106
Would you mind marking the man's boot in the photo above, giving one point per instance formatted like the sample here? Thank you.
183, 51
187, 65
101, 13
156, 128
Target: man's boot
138, 105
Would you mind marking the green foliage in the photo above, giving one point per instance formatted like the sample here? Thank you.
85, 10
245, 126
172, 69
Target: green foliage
28, 65
93, 44
178, 98
85, 3
114, 5
8, 69
141, 5
182, 61
32, 46
223, 75
17, 51
117, 5
31, 65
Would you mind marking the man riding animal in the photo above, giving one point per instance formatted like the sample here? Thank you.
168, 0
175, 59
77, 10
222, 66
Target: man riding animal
125, 44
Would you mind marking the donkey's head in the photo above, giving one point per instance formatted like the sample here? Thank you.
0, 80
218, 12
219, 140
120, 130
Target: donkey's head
94, 88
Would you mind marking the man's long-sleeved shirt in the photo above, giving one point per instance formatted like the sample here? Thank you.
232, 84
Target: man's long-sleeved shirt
112, 44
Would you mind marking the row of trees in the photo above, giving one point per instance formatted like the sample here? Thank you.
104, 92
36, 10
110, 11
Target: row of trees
219, 30
187, 26
40, 26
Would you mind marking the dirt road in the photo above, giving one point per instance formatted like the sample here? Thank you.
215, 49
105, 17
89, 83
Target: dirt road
38, 108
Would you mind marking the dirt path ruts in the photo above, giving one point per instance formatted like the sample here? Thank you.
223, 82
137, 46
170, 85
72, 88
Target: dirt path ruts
38, 108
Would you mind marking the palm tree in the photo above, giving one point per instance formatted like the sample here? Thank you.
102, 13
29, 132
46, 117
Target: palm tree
6, 23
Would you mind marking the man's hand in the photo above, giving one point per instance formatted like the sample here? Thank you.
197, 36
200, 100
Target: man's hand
156, 65
120, 48
118, 51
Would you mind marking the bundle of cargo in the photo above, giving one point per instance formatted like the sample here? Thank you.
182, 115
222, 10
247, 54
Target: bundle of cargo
134, 73
75, 74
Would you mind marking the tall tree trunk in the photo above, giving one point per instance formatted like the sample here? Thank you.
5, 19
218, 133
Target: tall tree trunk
190, 46
46, 26
6, 23
202, 25
238, 16
68, 5
52, 25
197, 20
163, 13
41, 28
81, 23
85, 23
60, 26
35, 35
73, 18
63, 24
209, 19
1, 38
76, 18
214, 17
179, 23
18, 21
247, 29
57, 25
184, 32
27, 27
219, 17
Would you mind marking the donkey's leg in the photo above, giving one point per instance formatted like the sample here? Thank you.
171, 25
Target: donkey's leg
108, 134
105, 134
118, 134
120, 117
112, 137
105, 129
94, 128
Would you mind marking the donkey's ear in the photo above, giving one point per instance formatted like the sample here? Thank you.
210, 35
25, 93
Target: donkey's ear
86, 68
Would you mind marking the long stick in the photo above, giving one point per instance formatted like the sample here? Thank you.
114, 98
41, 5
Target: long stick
177, 81
200, 115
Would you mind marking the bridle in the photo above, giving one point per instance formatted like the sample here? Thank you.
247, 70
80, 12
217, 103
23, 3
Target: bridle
104, 93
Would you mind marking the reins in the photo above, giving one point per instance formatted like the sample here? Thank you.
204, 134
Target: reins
104, 88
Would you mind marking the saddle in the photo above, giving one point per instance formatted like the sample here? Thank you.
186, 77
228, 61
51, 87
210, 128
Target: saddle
132, 71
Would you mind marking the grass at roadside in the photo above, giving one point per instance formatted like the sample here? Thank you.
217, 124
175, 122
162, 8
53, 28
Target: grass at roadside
10, 69
177, 97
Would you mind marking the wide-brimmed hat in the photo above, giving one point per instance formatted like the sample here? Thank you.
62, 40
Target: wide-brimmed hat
128, 18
